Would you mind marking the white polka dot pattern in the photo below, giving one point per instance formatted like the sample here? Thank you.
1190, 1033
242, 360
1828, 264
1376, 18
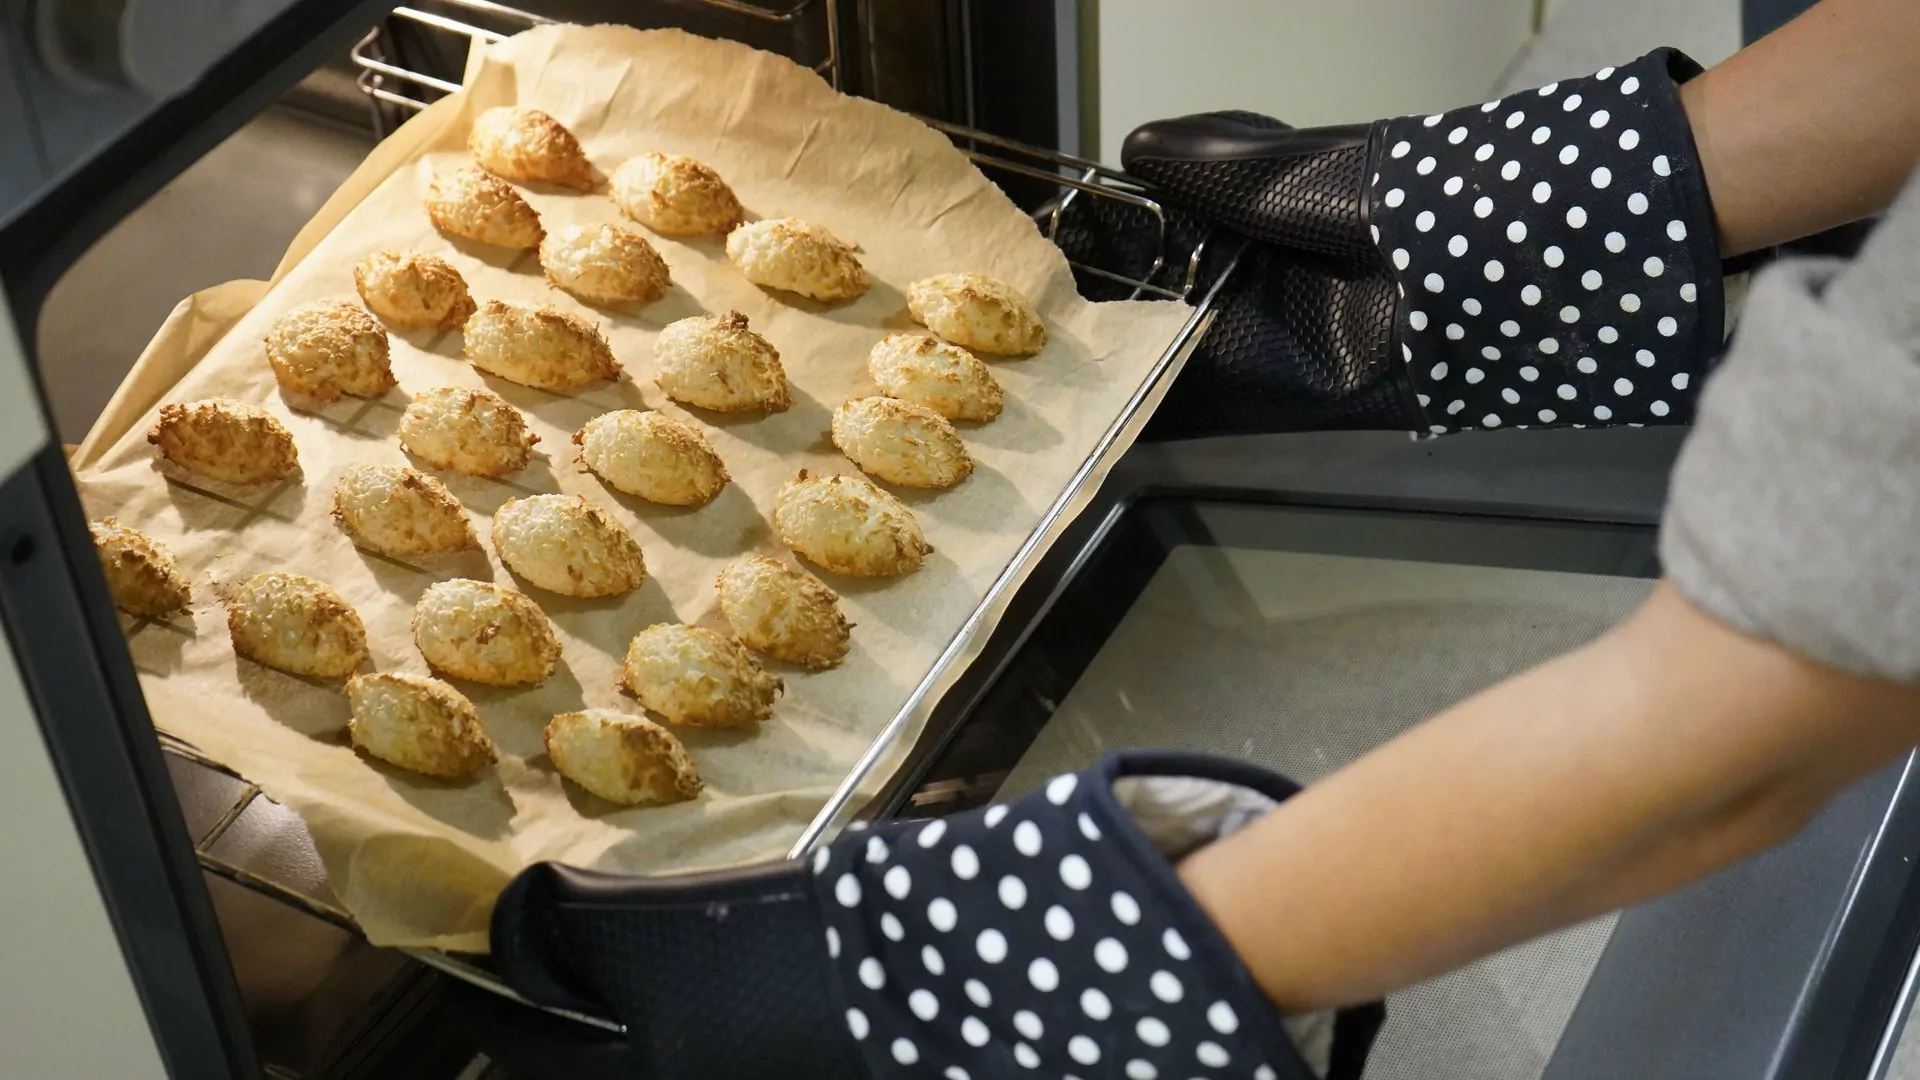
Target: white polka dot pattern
1046, 944
1570, 215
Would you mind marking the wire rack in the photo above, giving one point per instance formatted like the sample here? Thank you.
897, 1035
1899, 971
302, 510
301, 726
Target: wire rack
1084, 191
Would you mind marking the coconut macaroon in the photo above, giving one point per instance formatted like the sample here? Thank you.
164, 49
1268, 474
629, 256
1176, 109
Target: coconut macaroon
604, 264
565, 544
420, 724
849, 526
624, 759
798, 256
901, 443
329, 348
141, 574
473, 204
715, 362
410, 289
529, 146
982, 313
697, 677
653, 456
538, 347
467, 431
295, 624
226, 440
400, 511
674, 195
945, 378
484, 633
782, 612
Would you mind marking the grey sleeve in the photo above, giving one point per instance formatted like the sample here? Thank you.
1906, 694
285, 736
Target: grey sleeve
1794, 513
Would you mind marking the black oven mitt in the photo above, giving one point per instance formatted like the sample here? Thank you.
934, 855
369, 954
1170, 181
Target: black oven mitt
1045, 936
1545, 260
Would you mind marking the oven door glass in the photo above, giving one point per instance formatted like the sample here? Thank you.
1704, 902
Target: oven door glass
1300, 638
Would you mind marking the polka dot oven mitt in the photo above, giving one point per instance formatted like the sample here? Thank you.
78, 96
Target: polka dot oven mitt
1550, 256
1045, 936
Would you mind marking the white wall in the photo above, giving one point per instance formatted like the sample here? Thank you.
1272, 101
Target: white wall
1307, 62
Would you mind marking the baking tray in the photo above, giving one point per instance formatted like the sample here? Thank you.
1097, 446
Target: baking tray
1154, 270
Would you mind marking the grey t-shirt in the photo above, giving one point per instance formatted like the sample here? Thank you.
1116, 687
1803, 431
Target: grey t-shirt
1794, 513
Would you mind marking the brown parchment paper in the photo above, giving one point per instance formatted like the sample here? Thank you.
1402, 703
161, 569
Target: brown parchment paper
418, 861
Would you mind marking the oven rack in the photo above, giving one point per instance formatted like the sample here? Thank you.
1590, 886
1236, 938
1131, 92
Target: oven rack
312, 896
382, 80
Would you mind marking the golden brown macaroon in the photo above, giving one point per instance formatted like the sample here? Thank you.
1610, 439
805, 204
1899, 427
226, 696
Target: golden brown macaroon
901, 443
674, 195
566, 544
420, 724
484, 633
400, 511
715, 362
697, 677
798, 256
782, 612
140, 571
295, 624
982, 313
410, 289
849, 526
467, 431
653, 456
945, 378
604, 264
226, 440
473, 204
529, 146
538, 347
329, 348
624, 759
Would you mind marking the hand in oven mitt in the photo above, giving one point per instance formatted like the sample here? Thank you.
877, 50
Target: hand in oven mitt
1048, 933
1545, 260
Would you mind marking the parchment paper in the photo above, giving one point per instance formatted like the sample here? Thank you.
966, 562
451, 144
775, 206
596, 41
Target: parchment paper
417, 861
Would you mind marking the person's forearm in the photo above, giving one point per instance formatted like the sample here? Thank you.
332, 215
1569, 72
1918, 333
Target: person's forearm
1815, 125
1670, 747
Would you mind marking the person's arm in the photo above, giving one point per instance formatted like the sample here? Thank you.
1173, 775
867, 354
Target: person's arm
1814, 125
1668, 748
1781, 662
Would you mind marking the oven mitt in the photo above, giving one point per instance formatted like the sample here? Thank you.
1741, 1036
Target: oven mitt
1047, 935
1545, 260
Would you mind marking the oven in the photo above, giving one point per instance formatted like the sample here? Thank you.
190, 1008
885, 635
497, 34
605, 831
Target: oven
1294, 600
